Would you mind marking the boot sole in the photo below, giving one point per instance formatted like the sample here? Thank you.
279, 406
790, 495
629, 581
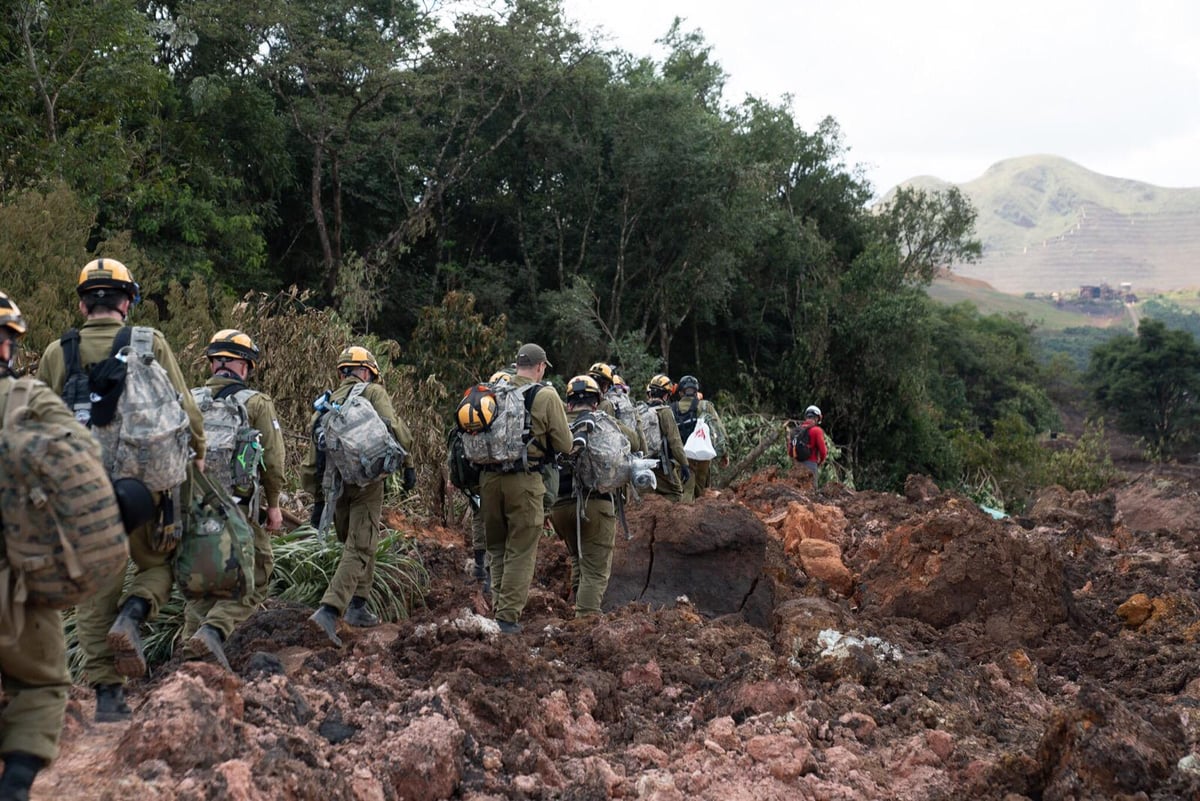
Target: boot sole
127, 656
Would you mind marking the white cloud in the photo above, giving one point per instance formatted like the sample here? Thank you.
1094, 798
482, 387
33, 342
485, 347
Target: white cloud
948, 88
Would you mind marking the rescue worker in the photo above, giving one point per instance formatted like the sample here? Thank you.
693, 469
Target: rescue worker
232, 358
513, 496
614, 401
109, 623
813, 436
688, 407
482, 573
588, 530
358, 510
34, 664
672, 471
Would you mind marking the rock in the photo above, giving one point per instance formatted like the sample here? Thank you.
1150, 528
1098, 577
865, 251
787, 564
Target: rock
812, 521
823, 560
918, 488
425, 759
1135, 611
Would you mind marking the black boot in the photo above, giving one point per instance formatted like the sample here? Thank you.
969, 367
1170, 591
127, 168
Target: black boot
20, 769
325, 619
110, 704
357, 614
209, 638
125, 639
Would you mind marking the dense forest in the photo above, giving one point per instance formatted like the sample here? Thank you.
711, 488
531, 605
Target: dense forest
429, 176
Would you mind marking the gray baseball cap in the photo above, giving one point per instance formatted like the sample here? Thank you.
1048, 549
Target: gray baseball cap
531, 354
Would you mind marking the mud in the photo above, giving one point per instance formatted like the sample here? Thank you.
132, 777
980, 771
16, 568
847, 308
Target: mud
767, 643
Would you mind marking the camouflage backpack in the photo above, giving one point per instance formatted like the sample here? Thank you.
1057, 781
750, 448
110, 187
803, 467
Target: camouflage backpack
63, 535
215, 558
233, 454
604, 463
147, 437
504, 411
622, 408
648, 418
356, 441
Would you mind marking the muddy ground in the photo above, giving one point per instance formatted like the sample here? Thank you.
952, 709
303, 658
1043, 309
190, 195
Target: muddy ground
766, 643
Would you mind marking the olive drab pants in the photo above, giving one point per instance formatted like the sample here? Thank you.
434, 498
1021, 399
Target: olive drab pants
514, 510
356, 518
667, 482
697, 482
36, 681
225, 615
591, 570
152, 581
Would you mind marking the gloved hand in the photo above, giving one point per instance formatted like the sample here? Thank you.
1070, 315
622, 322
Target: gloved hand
684, 473
410, 479
317, 513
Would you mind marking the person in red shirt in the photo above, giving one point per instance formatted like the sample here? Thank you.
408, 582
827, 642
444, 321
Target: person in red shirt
807, 443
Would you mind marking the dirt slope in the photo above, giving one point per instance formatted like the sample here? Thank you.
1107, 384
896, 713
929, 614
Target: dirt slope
854, 645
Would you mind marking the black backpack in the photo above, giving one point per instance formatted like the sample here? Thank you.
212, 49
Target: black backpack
798, 446
686, 420
463, 474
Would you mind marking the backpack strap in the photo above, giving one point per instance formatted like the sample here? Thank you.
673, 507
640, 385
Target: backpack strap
121, 340
17, 399
231, 389
70, 348
355, 391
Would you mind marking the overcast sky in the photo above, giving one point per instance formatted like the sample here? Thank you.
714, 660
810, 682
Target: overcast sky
949, 87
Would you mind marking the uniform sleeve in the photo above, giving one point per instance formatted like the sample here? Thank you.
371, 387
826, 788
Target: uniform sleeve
52, 369
166, 357
549, 421
264, 418
666, 422
47, 406
816, 441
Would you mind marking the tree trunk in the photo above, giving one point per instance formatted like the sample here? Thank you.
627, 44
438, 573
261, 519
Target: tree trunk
319, 218
728, 477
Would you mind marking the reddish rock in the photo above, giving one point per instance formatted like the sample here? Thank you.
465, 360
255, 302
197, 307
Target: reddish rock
823, 561
648, 675
1136, 610
425, 759
812, 521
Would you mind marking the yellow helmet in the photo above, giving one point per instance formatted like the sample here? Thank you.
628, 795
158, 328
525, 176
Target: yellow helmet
357, 356
581, 387
101, 274
620, 382
601, 372
233, 344
500, 375
659, 386
10, 316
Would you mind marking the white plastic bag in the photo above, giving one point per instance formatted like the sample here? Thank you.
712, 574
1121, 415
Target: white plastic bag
699, 446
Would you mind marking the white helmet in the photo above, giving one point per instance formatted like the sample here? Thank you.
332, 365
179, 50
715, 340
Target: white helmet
813, 411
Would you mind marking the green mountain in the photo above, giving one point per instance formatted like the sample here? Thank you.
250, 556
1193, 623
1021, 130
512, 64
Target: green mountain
1048, 224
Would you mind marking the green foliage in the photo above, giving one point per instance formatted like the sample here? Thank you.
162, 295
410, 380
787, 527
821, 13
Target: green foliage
1150, 385
1173, 315
1004, 468
1087, 466
304, 564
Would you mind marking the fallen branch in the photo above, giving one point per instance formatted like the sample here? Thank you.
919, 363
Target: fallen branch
728, 477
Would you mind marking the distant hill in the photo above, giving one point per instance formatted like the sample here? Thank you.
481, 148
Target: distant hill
1049, 224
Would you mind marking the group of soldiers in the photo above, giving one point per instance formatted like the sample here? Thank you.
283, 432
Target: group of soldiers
33, 659
518, 504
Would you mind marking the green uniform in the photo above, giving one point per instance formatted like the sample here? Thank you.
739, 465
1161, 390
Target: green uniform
668, 482
698, 481
153, 578
359, 510
514, 505
589, 536
34, 668
226, 615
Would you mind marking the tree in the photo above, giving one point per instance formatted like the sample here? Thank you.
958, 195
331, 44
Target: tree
1151, 384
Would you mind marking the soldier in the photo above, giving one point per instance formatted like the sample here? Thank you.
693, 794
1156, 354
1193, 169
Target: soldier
513, 496
588, 532
478, 534
672, 471
688, 408
232, 357
614, 401
34, 665
108, 624
358, 510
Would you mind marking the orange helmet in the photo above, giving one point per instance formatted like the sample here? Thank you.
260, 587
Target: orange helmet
233, 344
102, 274
10, 316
